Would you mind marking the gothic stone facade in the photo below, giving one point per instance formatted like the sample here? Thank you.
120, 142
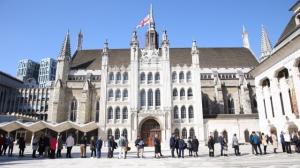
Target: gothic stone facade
156, 89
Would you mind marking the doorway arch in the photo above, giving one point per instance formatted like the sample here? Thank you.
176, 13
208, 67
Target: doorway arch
149, 129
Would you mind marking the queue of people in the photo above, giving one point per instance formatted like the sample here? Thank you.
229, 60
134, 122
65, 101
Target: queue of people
50, 146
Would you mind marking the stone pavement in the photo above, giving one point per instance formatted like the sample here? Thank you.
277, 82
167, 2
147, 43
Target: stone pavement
280, 160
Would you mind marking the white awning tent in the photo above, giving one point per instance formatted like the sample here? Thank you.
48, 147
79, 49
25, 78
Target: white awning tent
40, 125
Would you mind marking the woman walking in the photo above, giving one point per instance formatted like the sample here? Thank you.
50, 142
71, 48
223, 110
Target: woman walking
235, 145
264, 141
157, 147
274, 142
59, 146
93, 147
210, 144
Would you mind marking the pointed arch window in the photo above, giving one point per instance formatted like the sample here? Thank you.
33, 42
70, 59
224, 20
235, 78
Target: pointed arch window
190, 93
124, 133
192, 133
191, 112
183, 112
117, 133
143, 98
174, 77
150, 77
184, 133
175, 111
175, 94
188, 76
110, 95
125, 77
157, 98
118, 77
97, 110
125, 94
142, 77
118, 95
110, 113
117, 111
111, 77
125, 113
230, 106
176, 132
109, 133
157, 77
181, 77
73, 114
150, 98
182, 94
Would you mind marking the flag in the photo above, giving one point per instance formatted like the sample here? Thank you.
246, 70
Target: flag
144, 22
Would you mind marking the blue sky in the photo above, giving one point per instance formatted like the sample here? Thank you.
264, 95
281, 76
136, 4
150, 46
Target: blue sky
35, 29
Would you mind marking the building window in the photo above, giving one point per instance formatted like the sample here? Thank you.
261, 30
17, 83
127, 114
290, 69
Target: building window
111, 77
97, 110
142, 76
271, 100
118, 77
205, 104
110, 95
175, 111
143, 98
125, 77
118, 115
176, 132
174, 77
157, 97
175, 94
150, 77
73, 114
230, 104
183, 112
124, 133
182, 94
282, 105
157, 77
184, 133
150, 98
118, 95
265, 109
246, 135
110, 113
190, 93
188, 77
192, 133
181, 77
117, 133
125, 94
191, 112
125, 113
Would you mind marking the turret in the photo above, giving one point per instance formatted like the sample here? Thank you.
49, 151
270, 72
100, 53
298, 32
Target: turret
105, 55
195, 53
165, 45
245, 37
151, 35
266, 47
80, 41
134, 46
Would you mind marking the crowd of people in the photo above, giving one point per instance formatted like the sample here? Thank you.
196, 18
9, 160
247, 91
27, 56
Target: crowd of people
50, 146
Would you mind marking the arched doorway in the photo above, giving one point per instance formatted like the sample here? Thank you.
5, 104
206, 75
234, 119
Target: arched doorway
148, 130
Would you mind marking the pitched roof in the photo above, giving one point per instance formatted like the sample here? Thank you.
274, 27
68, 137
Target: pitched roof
208, 57
290, 28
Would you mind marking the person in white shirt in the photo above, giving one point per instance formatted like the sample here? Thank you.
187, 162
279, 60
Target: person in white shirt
69, 144
287, 139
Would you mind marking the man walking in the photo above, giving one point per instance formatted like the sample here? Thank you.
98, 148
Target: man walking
69, 143
282, 141
181, 147
99, 143
123, 145
172, 145
139, 143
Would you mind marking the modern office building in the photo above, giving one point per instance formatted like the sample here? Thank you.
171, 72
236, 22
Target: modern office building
47, 71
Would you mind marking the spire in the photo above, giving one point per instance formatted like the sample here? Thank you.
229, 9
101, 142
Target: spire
245, 37
66, 48
165, 37
194, 47
152, 23
105, 48
134, 39
266, 47
80, 41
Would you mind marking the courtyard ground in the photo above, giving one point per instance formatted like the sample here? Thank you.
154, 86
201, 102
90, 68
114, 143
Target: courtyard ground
247, 159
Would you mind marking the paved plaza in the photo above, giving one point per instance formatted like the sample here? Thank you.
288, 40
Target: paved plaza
279, 160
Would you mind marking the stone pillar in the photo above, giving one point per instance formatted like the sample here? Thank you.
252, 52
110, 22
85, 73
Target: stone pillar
32, 138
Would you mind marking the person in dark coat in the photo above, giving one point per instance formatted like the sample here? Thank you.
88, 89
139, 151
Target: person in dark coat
59, 146
181, 147
5, 144
41, 147
83, 144
1, 144
211, 143
177, 145
99, 143
10, 143
93, 146
157, 147
222, 143
22, 146
195, 146
112, 145
189, 146
172, 144
282, 141
47, 145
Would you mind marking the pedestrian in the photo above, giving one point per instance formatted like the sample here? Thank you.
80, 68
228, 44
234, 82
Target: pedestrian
22, 146
35, 145
210, 144
110, 146
69, 144
172, 144
41, 147
53, 142
282, 141
287, 139
274, 142
258, 143
295, 141
253, 147
181, 146
1, 144
122, 147
189, 146
235, 145
10, 143
59, 146
83, 144
5, 144
93, 146
222, 143
264, 141
140, 144
195, 146
47, 145
157, 147
99, 143
177, 145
